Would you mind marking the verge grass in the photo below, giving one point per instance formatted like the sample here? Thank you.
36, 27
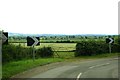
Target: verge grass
12, 68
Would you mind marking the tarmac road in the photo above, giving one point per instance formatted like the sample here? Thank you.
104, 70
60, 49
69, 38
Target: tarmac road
102, 68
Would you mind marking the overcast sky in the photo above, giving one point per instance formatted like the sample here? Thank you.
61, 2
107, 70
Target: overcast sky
59, 16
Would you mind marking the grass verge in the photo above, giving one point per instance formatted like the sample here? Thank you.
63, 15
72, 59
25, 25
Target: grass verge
12, 68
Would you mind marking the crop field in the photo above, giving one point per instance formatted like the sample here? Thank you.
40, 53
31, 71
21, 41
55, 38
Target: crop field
55, 46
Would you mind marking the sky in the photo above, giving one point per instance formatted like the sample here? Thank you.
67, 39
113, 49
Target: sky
59, 16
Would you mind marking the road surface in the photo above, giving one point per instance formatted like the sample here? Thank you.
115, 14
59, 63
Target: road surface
99, 68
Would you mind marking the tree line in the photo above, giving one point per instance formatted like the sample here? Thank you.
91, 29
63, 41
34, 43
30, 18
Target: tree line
60, 39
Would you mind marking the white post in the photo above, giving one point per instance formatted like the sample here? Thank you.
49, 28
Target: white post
1, 32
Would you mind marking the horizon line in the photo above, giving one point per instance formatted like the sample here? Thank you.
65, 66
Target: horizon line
62, 33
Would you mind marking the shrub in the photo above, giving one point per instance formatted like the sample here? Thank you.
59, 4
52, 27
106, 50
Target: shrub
7, 53
45, 52
11, 53
115, 48
88, 48
85, 48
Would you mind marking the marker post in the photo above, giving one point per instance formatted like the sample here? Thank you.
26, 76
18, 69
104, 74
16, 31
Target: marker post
1, 32
33, 41
33, 51
109, 47
109, 41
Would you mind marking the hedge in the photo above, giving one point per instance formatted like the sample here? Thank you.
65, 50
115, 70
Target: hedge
89, 48
11, 52
44, 52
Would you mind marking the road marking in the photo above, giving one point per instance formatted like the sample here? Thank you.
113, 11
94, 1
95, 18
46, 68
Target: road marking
79, 76
98, 65
91, 67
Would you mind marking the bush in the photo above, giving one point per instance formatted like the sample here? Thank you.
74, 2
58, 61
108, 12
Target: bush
12, 53
85, 48
88, 48
45, 52
115, 48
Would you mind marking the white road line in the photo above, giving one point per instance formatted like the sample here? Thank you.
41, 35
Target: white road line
79, 76
91, 67
98, 65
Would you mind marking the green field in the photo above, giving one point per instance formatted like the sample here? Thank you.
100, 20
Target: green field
55, 46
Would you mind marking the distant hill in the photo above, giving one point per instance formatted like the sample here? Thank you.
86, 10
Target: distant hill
21, 34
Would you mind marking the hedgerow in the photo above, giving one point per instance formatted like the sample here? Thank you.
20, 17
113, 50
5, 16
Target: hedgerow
44, 52
12, 52
89, 48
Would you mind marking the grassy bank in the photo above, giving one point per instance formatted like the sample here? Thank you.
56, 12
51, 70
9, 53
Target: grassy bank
15, 67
